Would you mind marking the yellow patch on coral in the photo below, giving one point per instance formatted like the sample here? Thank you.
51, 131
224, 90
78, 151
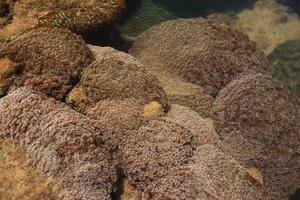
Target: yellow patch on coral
153, 110
7, 70
255, 173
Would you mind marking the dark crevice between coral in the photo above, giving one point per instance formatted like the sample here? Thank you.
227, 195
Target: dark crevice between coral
108, 36
119, 185
296, 195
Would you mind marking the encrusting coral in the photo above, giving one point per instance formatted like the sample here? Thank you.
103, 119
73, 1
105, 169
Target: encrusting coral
115, 75
257, 120
213, 175
48, 59
199, 51
76, 15
60, 142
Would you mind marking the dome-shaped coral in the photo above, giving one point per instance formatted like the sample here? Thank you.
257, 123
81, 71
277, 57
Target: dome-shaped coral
199, 51
115, 75
200, 128
154, 149
213, 175
60, 143
117, 118
186, 94
50, 60
76, 15
258, 122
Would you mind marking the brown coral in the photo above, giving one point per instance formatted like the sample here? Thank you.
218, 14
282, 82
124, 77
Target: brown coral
50, 59
199, 51
258, 122
76, 15
117, 118
186, 94
213, 175
200, 128
115, 75
154, 149
60, 143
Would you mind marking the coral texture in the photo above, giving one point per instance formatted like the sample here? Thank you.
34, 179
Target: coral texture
60, 143
19, 180
154, 149
199, 51
75, 15
258, 122
49, 59
117, 118
199, 128
115, 75
213, 175
186, 94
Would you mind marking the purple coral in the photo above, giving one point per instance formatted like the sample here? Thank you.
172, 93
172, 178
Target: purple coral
60, 143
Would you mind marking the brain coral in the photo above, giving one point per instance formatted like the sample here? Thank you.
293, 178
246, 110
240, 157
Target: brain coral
257, 120
154, 149
213, 175
186, 94
199, 51
200, 128
60, 143
115, 75
76, 15
50, 60
117, 118
285, 61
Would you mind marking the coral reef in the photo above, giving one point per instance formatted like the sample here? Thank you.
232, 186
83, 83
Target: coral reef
75, 15
115, 75
206, 53
199, 128
154, 149
213, 175
285, 61
186, 94
117, 118
257, 120
20, 181
60, 142
49, 59
269, 24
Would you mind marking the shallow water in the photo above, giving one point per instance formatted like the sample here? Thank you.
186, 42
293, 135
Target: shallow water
271, 24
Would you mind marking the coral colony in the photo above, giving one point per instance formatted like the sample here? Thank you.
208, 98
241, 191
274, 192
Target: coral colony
192, 113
